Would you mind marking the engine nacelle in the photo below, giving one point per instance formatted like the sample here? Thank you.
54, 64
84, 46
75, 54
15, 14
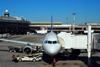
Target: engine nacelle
76, 51
27, 50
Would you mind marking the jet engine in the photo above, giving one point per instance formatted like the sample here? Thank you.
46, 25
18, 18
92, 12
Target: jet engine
27, 50
76, 51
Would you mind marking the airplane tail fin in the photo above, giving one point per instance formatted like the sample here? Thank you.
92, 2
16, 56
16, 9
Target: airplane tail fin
51, 24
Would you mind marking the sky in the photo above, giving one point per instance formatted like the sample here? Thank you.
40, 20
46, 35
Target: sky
41, 10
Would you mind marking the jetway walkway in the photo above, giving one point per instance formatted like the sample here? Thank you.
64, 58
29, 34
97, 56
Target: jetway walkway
71, 41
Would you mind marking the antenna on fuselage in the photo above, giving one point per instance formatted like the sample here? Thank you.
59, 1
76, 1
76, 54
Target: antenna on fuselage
51, 24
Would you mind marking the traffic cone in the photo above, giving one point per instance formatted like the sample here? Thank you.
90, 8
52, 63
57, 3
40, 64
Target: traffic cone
77, 60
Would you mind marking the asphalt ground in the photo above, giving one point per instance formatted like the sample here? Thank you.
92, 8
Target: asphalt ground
62, 61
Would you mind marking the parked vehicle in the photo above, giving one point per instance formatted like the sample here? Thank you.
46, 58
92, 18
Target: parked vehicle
30, 58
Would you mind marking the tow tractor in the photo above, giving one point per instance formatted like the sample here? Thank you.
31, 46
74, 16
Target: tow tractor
31, 57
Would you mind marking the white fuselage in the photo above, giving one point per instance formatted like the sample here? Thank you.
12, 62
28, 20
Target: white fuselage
51, 45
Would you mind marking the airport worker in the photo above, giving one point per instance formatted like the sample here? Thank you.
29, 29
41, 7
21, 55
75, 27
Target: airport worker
28, 44
13, 58
54, 61
37, 51
22, 48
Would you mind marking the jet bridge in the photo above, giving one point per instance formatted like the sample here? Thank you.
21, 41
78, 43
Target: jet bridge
68, 41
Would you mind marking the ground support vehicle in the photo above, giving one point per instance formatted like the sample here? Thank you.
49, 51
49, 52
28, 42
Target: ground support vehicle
32, 57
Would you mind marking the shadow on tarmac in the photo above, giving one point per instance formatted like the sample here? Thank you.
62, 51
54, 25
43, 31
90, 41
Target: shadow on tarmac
14, 37
60, 57
3, 50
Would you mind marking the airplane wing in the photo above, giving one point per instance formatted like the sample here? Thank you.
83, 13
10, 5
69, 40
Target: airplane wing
23, 42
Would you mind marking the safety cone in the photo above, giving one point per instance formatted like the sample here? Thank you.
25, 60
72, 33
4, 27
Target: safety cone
77, 60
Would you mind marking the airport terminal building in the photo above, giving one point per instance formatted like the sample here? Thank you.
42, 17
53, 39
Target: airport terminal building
13, 25
18, 25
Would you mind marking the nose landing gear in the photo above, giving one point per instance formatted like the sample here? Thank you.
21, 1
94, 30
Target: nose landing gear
65, 52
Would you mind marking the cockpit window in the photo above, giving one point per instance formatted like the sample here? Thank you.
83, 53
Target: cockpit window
45, 42
50, 42
54, 42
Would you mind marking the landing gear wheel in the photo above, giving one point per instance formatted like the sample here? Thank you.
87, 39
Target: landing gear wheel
34, 60
20, 59
65, 53
10, 51
15, 51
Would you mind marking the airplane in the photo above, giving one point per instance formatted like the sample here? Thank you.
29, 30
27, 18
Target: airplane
43, 31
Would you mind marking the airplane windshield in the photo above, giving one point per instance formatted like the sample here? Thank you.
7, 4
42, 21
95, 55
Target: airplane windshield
51, 42
45, 42
54, 42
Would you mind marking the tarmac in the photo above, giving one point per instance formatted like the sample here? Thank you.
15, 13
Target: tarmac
62, 61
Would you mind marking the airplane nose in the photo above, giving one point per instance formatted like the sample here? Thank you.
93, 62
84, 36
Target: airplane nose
53, 50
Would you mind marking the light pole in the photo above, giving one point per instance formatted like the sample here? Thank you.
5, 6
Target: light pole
74, 23
67, 20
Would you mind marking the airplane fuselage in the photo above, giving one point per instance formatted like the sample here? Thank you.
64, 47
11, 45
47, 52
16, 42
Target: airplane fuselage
51, 45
